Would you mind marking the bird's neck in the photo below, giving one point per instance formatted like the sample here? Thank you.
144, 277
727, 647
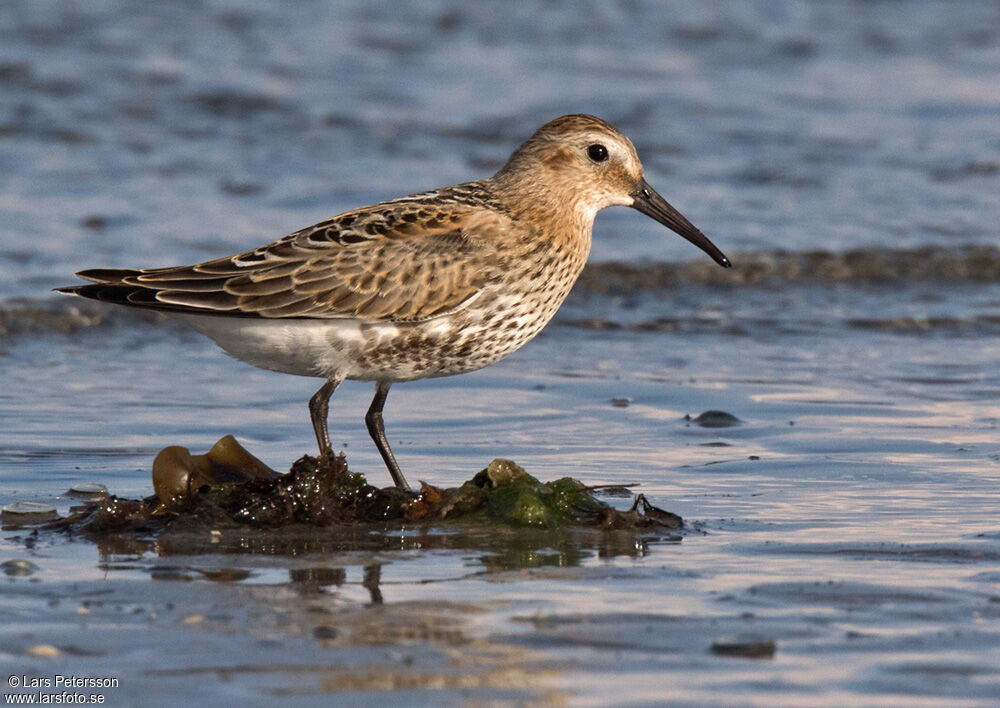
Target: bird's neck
557, 215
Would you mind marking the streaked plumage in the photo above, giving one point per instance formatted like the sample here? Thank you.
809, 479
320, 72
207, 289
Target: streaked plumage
433, 284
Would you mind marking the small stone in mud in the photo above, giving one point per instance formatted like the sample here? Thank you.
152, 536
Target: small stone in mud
18, 567
88, 489
745, 644
95, 222
715, 419
324, 632
28, 512
621, 402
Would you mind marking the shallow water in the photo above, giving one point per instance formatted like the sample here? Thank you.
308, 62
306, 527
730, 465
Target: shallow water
851, 517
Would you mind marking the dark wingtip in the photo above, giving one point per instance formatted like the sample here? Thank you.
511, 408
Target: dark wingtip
104, 292
106, 284
106, 275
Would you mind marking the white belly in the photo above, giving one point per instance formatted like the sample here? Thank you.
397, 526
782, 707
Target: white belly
302, 347
342, 347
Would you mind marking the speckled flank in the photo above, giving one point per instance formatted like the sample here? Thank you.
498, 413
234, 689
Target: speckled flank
498, 322
495, 323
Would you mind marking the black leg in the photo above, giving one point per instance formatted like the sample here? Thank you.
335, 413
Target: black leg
373, 419
373, 575
319, 407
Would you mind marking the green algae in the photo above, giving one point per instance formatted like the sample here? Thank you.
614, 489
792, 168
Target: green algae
228, 487
518, 499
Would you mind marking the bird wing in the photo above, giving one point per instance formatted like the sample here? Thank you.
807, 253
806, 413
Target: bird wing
407, 260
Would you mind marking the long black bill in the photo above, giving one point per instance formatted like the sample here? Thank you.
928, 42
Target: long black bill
653, 205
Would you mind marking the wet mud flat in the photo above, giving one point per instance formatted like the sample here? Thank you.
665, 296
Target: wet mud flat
221, 626
435, 617
805, 604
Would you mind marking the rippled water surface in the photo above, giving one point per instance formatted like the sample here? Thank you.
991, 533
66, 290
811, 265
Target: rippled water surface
845, 155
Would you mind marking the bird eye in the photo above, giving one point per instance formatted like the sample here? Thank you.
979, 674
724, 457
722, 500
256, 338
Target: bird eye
597, 153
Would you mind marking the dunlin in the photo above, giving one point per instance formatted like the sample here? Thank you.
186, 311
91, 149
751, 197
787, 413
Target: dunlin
433, 284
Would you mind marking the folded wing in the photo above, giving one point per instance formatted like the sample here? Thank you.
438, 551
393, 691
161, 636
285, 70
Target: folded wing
400, 261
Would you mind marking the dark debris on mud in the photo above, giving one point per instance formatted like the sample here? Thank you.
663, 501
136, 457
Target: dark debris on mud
228, 487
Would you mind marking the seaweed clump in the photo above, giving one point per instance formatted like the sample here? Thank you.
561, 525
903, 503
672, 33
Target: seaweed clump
504, 493
229, 487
